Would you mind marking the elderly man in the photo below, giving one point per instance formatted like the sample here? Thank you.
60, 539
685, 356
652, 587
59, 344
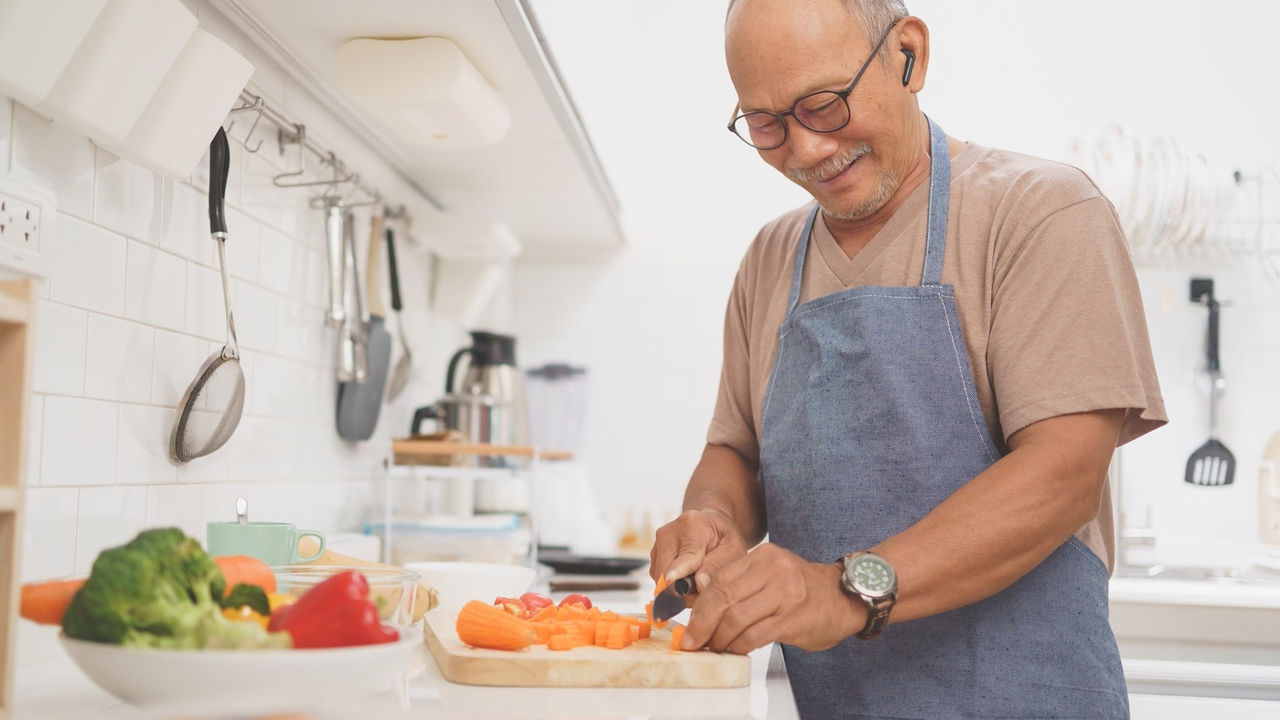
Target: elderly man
926, 372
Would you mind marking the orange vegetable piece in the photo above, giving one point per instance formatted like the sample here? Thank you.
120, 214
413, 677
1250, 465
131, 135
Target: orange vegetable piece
248, 570
46, 602
482, 625
619, 636
560, 642
546, 613
648, 613
601, 634
633, 630
542, 632
677, 632
645, 627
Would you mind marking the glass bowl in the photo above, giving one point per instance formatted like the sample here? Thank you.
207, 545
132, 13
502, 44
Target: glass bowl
391, 589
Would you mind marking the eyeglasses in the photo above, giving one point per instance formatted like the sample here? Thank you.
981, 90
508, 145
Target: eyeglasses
823, 111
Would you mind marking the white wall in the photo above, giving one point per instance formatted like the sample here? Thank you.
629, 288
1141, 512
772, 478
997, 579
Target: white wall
650, 81
133, 306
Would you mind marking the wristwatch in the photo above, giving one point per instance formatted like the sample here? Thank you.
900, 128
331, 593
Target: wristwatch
871, 579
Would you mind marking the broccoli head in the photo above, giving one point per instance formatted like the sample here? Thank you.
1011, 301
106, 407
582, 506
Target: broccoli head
160, 590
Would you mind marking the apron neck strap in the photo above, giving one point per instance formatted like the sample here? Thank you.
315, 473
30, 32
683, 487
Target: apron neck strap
936, 237
939, 200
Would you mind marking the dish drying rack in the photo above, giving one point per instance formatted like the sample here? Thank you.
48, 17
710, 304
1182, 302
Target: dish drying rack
417, 459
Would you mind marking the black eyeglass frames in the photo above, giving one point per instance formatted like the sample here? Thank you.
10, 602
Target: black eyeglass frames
823, 111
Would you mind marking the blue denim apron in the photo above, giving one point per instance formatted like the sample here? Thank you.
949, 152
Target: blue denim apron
870, 421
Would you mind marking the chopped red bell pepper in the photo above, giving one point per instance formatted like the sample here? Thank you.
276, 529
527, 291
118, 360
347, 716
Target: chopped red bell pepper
335, 613
576, 598
534, 602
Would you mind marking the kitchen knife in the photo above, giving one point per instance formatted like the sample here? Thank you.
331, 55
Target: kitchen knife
668, 603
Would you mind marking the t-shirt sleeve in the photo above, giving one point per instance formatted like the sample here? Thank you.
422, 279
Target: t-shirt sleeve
732, 424
1068, 331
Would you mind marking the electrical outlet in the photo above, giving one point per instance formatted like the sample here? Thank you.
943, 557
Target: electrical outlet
27, 213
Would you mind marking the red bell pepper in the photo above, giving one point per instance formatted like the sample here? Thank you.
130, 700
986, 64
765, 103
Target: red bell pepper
335, 613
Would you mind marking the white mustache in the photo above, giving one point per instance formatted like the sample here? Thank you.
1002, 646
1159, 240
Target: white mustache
829, 167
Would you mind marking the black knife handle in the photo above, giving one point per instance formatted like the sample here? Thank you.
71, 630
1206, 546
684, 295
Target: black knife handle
395, 274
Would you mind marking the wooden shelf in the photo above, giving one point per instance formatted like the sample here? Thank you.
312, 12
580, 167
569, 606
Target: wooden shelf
410, 451
14, 310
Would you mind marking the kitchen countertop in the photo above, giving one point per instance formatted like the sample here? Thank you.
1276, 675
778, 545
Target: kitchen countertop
55, 688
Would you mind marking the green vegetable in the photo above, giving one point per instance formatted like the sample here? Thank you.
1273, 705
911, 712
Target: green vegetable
161, 590
251, 595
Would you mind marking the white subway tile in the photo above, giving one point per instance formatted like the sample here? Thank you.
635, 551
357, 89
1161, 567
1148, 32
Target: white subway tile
109, 517
276, 386
177, 360
275, 265
88, 267
6, 131
212, 468
156, 290
49, 533
142, 454
243, 237
53, 156
79, 445
35, 437
255, 316
186, 225
180, 506
219, 502
316, 285
206, 313
119, 360
299, 331
129, 198
60, 349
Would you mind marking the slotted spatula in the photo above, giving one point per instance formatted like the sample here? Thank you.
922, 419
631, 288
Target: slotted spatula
1212, 464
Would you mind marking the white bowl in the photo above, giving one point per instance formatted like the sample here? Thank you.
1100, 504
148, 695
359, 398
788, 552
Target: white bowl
192, 678
457, 582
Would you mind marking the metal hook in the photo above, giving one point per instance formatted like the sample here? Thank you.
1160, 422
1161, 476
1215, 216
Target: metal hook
257, 106
298, 137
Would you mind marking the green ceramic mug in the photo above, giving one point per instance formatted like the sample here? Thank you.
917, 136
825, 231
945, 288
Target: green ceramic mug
275, 543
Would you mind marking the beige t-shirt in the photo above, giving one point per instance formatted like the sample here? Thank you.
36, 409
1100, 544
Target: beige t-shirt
1045, 293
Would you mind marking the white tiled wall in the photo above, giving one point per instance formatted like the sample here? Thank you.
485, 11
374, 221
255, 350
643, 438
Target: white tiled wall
132, 308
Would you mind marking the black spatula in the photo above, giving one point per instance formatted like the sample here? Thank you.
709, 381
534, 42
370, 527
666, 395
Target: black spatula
1212, 464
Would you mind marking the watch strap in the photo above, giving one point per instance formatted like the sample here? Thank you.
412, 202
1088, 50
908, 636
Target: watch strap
877, 617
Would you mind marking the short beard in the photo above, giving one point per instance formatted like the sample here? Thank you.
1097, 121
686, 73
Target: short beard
830, 167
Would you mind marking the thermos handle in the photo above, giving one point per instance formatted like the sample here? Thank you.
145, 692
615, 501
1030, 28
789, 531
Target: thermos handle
453, 367
429, 412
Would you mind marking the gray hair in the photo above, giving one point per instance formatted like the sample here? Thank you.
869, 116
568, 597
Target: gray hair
875, 16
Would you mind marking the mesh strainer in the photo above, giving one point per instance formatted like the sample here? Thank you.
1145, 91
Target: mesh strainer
211, 407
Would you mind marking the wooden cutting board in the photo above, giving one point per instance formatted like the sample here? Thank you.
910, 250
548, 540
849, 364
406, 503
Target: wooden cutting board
646, 663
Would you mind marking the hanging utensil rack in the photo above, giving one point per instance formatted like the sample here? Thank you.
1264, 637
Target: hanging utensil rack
344, 185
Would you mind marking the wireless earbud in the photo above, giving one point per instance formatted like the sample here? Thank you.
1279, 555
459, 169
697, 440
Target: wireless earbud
911, 64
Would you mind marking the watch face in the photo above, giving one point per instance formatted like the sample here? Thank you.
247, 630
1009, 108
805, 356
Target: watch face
872, 575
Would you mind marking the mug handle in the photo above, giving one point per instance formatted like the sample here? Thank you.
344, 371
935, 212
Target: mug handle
298, 535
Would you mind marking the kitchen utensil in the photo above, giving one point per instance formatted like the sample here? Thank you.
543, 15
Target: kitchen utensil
1269, 492
648, 662
242, 511
359, 403
274, 543
425, 598
404, 366
670, 602
479, 417
566, 562
1212, 464
392, 589
492, 368
557, 397
352, 362
242, 681
335, 252
211, 406
458, 582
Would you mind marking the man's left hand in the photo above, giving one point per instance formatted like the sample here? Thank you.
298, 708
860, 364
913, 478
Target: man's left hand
772, 595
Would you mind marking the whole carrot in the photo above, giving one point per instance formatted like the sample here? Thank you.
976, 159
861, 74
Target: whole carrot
45, 602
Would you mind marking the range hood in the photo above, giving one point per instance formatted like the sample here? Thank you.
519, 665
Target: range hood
543, 179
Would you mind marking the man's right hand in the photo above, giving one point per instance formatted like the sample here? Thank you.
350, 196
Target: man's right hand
698, 541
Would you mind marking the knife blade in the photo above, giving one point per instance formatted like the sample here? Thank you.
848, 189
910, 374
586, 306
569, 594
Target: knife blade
668, 603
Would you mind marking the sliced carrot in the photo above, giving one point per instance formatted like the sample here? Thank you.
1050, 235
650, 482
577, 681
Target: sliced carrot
560, 642
660, 585
546, 613
645, 628
633, 630
46, 602
542, 631
482, 625
677, 632
593, 614
618, 637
